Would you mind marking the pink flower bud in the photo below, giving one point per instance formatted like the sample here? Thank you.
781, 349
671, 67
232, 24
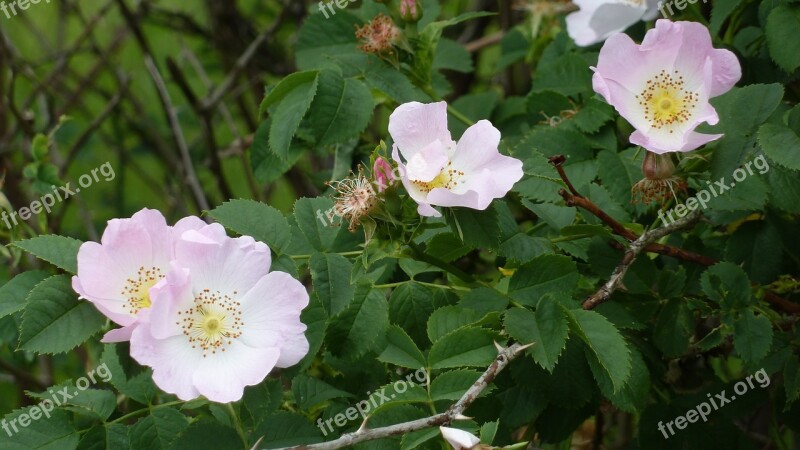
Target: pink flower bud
382, 172
410, 10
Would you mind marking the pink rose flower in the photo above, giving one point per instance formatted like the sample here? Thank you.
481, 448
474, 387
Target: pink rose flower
598, 19
220, 319
436, 170
117, 274
662, 86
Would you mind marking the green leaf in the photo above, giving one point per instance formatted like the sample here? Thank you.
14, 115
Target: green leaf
60, 251
781, 144
330, 273
55, 320
453, 56
782, 38
111, 436
309, 392
758, 246
14, 293
262, 399
401, 351
158, 430
208, 433
569, 75
267, 166
362, 326
383, 77
478, 229
285, 87
545, 274
448, 319
341, 109
752, 336
547, 329
286, 117
465, 347
46, 433
410, 306
605, 343
726, 284
720, 10
674, 328
452, 385
324, 40
284, 429
251, 218
633, 395
309, 214
139, 387
784, 189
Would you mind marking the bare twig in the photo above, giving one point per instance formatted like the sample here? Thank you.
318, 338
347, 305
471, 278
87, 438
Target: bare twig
453, 413
638, 246
191, 176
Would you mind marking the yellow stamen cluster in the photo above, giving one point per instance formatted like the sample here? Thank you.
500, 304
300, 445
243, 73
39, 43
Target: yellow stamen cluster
213, 322
666, 101
447, 178
137, 291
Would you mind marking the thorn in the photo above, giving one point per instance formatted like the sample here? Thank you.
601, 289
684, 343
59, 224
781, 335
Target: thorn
499, 347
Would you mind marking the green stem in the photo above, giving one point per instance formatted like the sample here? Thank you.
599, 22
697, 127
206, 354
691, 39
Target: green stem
460, 116
139, 411
237, 424
353, 253
433, 285
424, 257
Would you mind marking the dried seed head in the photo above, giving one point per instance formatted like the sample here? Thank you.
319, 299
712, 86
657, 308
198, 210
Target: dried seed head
354, 199
379, 35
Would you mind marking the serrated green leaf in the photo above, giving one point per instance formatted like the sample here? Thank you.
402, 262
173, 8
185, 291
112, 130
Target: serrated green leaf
465, 347
362, 326
547, 329
309, 392
448, 319
331, 277
14, 293
47, 433
452, 385
752, 336
478, 229
286, 117
410, 306
606, 343
545, 274
401, 351
55, 320
341, 109
284, 429
60, 251
208, 433
285, 87
727, 284
251, 218
158, 430
782, 38
781, 144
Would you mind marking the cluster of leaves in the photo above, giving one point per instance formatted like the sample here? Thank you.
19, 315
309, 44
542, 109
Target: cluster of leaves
438, 294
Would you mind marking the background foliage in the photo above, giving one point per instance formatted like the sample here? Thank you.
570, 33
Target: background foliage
79, 86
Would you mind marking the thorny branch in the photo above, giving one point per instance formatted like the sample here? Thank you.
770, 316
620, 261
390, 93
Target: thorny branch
453, 413
645, 243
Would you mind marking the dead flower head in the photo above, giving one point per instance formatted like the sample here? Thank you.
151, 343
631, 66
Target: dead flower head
354, 198
379, 35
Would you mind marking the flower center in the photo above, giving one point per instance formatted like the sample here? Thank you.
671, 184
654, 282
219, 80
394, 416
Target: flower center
447, 178
665, 100
137, 291
213, 322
